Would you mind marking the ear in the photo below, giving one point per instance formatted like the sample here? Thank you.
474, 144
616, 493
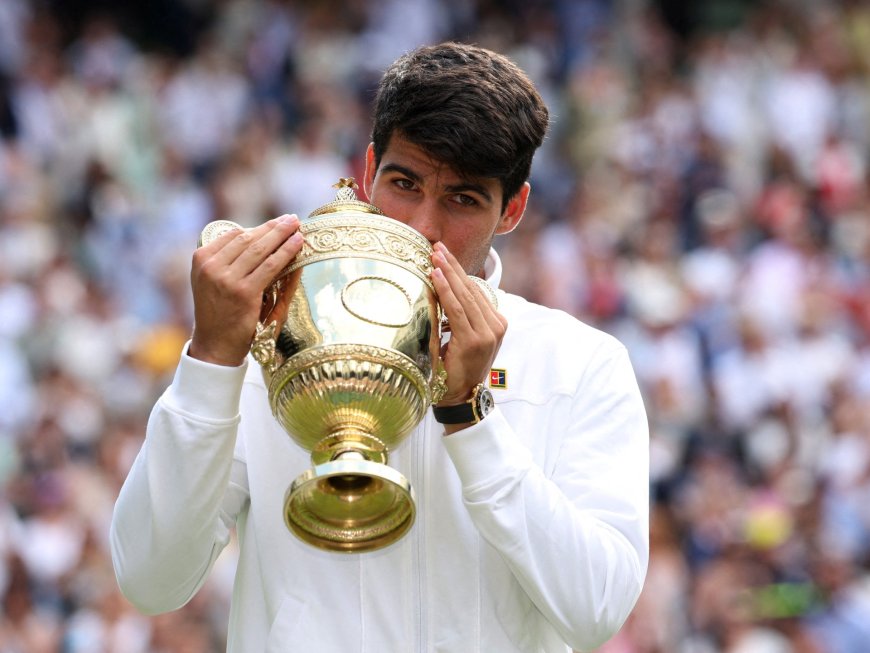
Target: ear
371, 169
514, 210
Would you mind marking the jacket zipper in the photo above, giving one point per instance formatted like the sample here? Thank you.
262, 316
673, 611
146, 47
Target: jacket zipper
420, 444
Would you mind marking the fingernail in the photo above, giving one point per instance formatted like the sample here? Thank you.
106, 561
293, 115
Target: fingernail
288, 218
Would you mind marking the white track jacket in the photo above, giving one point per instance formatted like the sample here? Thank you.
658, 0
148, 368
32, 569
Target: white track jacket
531, 532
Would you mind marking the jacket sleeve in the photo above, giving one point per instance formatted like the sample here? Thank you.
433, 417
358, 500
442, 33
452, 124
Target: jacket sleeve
184, 491
576, 538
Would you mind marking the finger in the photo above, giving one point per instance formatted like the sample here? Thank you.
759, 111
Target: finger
466, 301
448, 290
258, 245
224, 250
211, 254
496, 320
269, 268
478, 337
227, 243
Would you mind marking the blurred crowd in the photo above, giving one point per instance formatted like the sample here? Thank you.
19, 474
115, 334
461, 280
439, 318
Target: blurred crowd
702, 195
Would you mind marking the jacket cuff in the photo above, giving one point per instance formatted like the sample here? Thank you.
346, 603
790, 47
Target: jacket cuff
206, 390
487, 452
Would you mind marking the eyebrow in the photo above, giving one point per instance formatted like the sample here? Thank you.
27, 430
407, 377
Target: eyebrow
462, 187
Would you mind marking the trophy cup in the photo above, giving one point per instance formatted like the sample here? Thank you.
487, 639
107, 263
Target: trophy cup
348, 343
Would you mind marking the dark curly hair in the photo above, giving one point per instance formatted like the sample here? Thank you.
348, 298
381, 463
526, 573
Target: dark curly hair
470, 108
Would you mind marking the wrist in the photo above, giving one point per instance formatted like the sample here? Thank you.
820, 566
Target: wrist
471, 411
456, 399
214, 356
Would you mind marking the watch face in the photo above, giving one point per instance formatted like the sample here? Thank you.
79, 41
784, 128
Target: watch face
484, 403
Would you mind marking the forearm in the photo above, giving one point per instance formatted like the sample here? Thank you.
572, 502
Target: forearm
580, 553
171, 520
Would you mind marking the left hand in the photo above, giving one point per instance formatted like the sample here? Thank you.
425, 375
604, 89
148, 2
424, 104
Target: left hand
476, 328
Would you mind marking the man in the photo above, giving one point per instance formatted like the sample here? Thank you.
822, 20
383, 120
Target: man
532, 525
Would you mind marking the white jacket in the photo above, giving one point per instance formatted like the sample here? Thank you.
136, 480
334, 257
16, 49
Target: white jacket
531, 531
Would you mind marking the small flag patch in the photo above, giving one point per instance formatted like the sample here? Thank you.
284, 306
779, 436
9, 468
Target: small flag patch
497, 378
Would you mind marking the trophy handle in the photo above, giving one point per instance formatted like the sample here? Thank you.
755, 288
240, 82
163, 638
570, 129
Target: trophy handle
272, 317
214, 230
487, 291
438, 385
263, 346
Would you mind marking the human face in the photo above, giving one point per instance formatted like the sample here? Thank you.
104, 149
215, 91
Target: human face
463, 213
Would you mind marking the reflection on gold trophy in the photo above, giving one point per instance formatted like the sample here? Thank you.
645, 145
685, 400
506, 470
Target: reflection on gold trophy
348, 342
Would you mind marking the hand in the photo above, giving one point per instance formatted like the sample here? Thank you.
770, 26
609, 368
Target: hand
476, 328
228, 278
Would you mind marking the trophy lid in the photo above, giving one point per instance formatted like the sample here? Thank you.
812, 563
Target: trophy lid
345, 200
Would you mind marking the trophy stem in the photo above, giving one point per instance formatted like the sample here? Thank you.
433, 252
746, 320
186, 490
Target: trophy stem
351, 482
349, 443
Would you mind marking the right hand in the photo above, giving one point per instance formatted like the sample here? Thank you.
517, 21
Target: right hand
228, 278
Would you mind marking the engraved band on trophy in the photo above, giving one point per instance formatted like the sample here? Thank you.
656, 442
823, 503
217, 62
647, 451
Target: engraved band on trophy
348, 343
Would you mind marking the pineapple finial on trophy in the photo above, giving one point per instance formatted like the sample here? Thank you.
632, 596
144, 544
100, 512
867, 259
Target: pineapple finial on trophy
345, 199
346, 187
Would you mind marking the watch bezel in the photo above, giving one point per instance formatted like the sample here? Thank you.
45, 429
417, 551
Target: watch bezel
482, 402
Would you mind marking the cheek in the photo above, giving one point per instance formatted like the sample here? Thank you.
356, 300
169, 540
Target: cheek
469, 246
390, 205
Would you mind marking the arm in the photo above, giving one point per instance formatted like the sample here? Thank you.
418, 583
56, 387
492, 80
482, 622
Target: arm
576, 537
184, 491
186, 488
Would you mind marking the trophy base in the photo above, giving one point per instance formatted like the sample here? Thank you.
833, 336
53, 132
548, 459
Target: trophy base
350, 505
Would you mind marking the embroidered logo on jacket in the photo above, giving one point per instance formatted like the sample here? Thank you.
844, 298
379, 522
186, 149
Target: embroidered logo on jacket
497, 378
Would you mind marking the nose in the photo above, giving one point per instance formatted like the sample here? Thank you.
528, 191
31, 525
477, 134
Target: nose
427, 220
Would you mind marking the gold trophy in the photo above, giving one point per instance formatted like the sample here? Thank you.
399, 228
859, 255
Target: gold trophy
348, 342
